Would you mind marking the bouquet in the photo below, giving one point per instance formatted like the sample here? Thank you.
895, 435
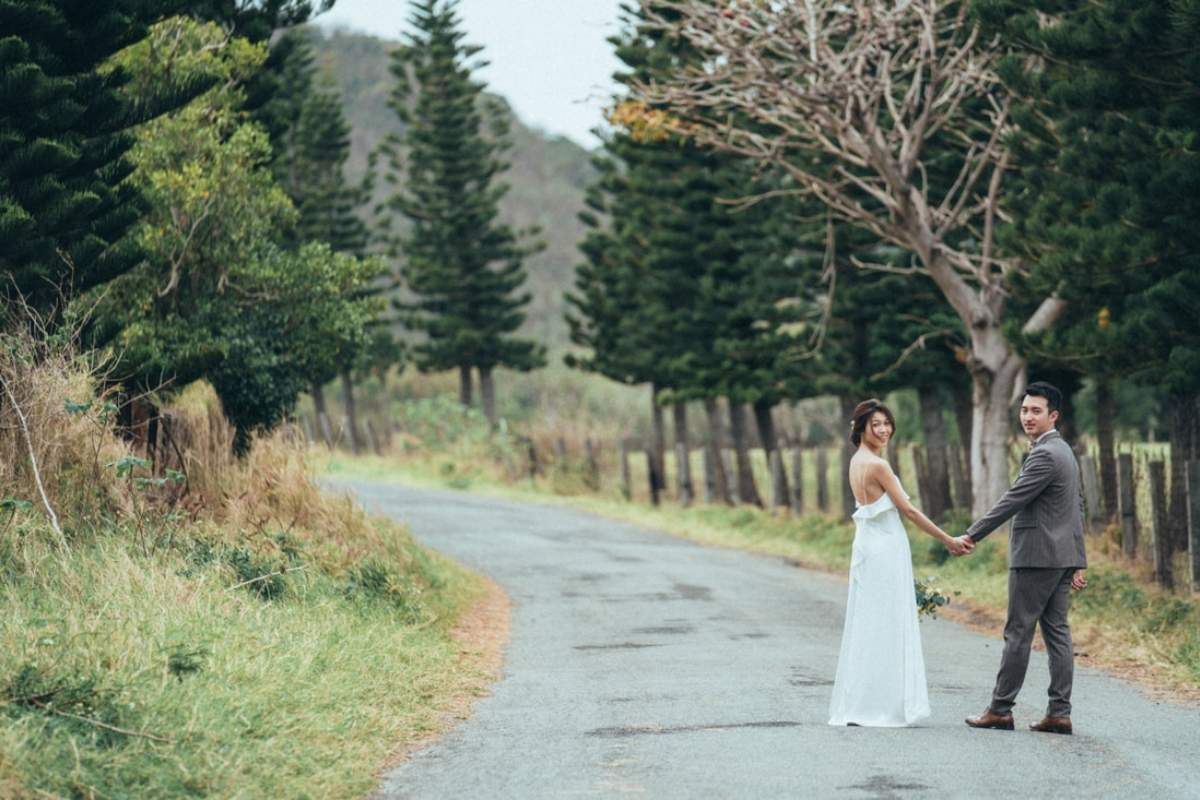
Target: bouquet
930, 596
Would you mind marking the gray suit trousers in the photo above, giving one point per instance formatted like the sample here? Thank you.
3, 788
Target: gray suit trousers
1037, 596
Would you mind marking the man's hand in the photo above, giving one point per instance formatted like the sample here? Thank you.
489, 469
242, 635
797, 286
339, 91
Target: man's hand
961, 546
1078, 582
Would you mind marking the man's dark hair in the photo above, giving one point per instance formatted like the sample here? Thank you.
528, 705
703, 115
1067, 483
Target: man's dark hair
1051, 393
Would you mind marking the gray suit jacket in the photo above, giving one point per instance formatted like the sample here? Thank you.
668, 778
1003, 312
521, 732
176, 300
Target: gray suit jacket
1046, 507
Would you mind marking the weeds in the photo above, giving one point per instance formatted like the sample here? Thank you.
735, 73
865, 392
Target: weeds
374, 580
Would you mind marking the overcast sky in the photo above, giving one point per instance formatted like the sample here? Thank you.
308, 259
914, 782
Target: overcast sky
549, 58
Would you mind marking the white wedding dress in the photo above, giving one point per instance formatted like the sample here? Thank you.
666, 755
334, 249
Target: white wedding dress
881, 670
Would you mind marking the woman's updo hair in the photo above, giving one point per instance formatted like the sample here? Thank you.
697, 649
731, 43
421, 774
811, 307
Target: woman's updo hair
862, 416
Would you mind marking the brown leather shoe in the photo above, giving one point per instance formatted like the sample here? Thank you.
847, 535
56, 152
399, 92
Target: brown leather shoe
990, 719
1053, 725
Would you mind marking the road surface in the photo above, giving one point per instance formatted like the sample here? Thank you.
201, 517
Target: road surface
643, 665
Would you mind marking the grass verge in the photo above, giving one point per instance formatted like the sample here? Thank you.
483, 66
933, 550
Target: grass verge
228, 630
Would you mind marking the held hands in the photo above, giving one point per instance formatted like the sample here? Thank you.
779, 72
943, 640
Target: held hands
961, 546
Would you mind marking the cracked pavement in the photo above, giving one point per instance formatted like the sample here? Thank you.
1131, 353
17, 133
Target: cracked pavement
645, 665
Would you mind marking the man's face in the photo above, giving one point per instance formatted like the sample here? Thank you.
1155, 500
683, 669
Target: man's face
1036, 418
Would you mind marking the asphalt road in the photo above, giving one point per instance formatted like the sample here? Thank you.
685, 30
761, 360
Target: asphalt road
645, 665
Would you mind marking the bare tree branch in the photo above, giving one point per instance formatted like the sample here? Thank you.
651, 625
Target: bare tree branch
889, 113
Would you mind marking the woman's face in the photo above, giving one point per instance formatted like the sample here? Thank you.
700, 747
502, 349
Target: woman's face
879, 429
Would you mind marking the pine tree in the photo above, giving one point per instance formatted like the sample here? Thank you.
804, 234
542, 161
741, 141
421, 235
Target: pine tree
66, 122
680, 291
1107, 204
311, 143
256, 20
461, 266
65, 205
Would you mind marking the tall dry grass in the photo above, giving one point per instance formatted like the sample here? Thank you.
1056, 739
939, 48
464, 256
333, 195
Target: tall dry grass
55, 436
205, 625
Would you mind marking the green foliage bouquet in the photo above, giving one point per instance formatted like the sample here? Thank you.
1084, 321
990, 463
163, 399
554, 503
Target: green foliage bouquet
930, 596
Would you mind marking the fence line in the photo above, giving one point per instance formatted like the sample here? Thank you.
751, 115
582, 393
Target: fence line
1142, 493
1142, 484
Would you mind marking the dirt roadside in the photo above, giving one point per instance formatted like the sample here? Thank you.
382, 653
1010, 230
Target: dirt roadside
481, 635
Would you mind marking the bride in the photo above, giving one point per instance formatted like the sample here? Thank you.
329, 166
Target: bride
881, 671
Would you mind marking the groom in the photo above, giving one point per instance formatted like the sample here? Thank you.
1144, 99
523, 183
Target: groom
1045, 562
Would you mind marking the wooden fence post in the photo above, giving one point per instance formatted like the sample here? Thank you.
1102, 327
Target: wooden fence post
684, 472
958, 477
849, 504
1193, 493
562, 454
710, 476
797, 474
731, 481
893, 459
652, 471
781, 492
533, 460
822, 481
1158, 526
325, 428
372, 439
1125, 503
1091, 494
922, 470
776, 463
623, 460
593, 468
351, 434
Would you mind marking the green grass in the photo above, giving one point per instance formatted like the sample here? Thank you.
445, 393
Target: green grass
126, 675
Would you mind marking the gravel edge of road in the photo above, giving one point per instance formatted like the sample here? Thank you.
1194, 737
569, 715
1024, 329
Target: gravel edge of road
481, 634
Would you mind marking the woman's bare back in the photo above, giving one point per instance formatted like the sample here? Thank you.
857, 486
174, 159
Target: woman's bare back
861, 483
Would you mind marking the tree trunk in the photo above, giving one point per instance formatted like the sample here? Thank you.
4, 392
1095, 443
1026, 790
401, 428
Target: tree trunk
747, 490
487, 394
1068, 425
961, 396
682, 448
659, 441
938, 501
318, 396
351, 413
1106, 439
770, 445
995, 370
716, 446
464, 386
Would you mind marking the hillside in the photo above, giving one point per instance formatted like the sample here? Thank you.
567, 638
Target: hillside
548, 176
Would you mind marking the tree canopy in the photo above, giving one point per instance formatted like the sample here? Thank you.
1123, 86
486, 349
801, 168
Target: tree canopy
461, 266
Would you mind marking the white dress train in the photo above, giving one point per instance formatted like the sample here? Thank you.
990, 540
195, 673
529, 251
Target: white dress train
881, 670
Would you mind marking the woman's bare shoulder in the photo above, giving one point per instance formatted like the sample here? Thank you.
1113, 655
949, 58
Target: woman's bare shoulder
878, 463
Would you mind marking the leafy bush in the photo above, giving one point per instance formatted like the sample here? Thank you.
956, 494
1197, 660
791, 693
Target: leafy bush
439, 423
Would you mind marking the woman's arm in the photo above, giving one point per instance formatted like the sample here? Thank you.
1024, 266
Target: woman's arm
881, 474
